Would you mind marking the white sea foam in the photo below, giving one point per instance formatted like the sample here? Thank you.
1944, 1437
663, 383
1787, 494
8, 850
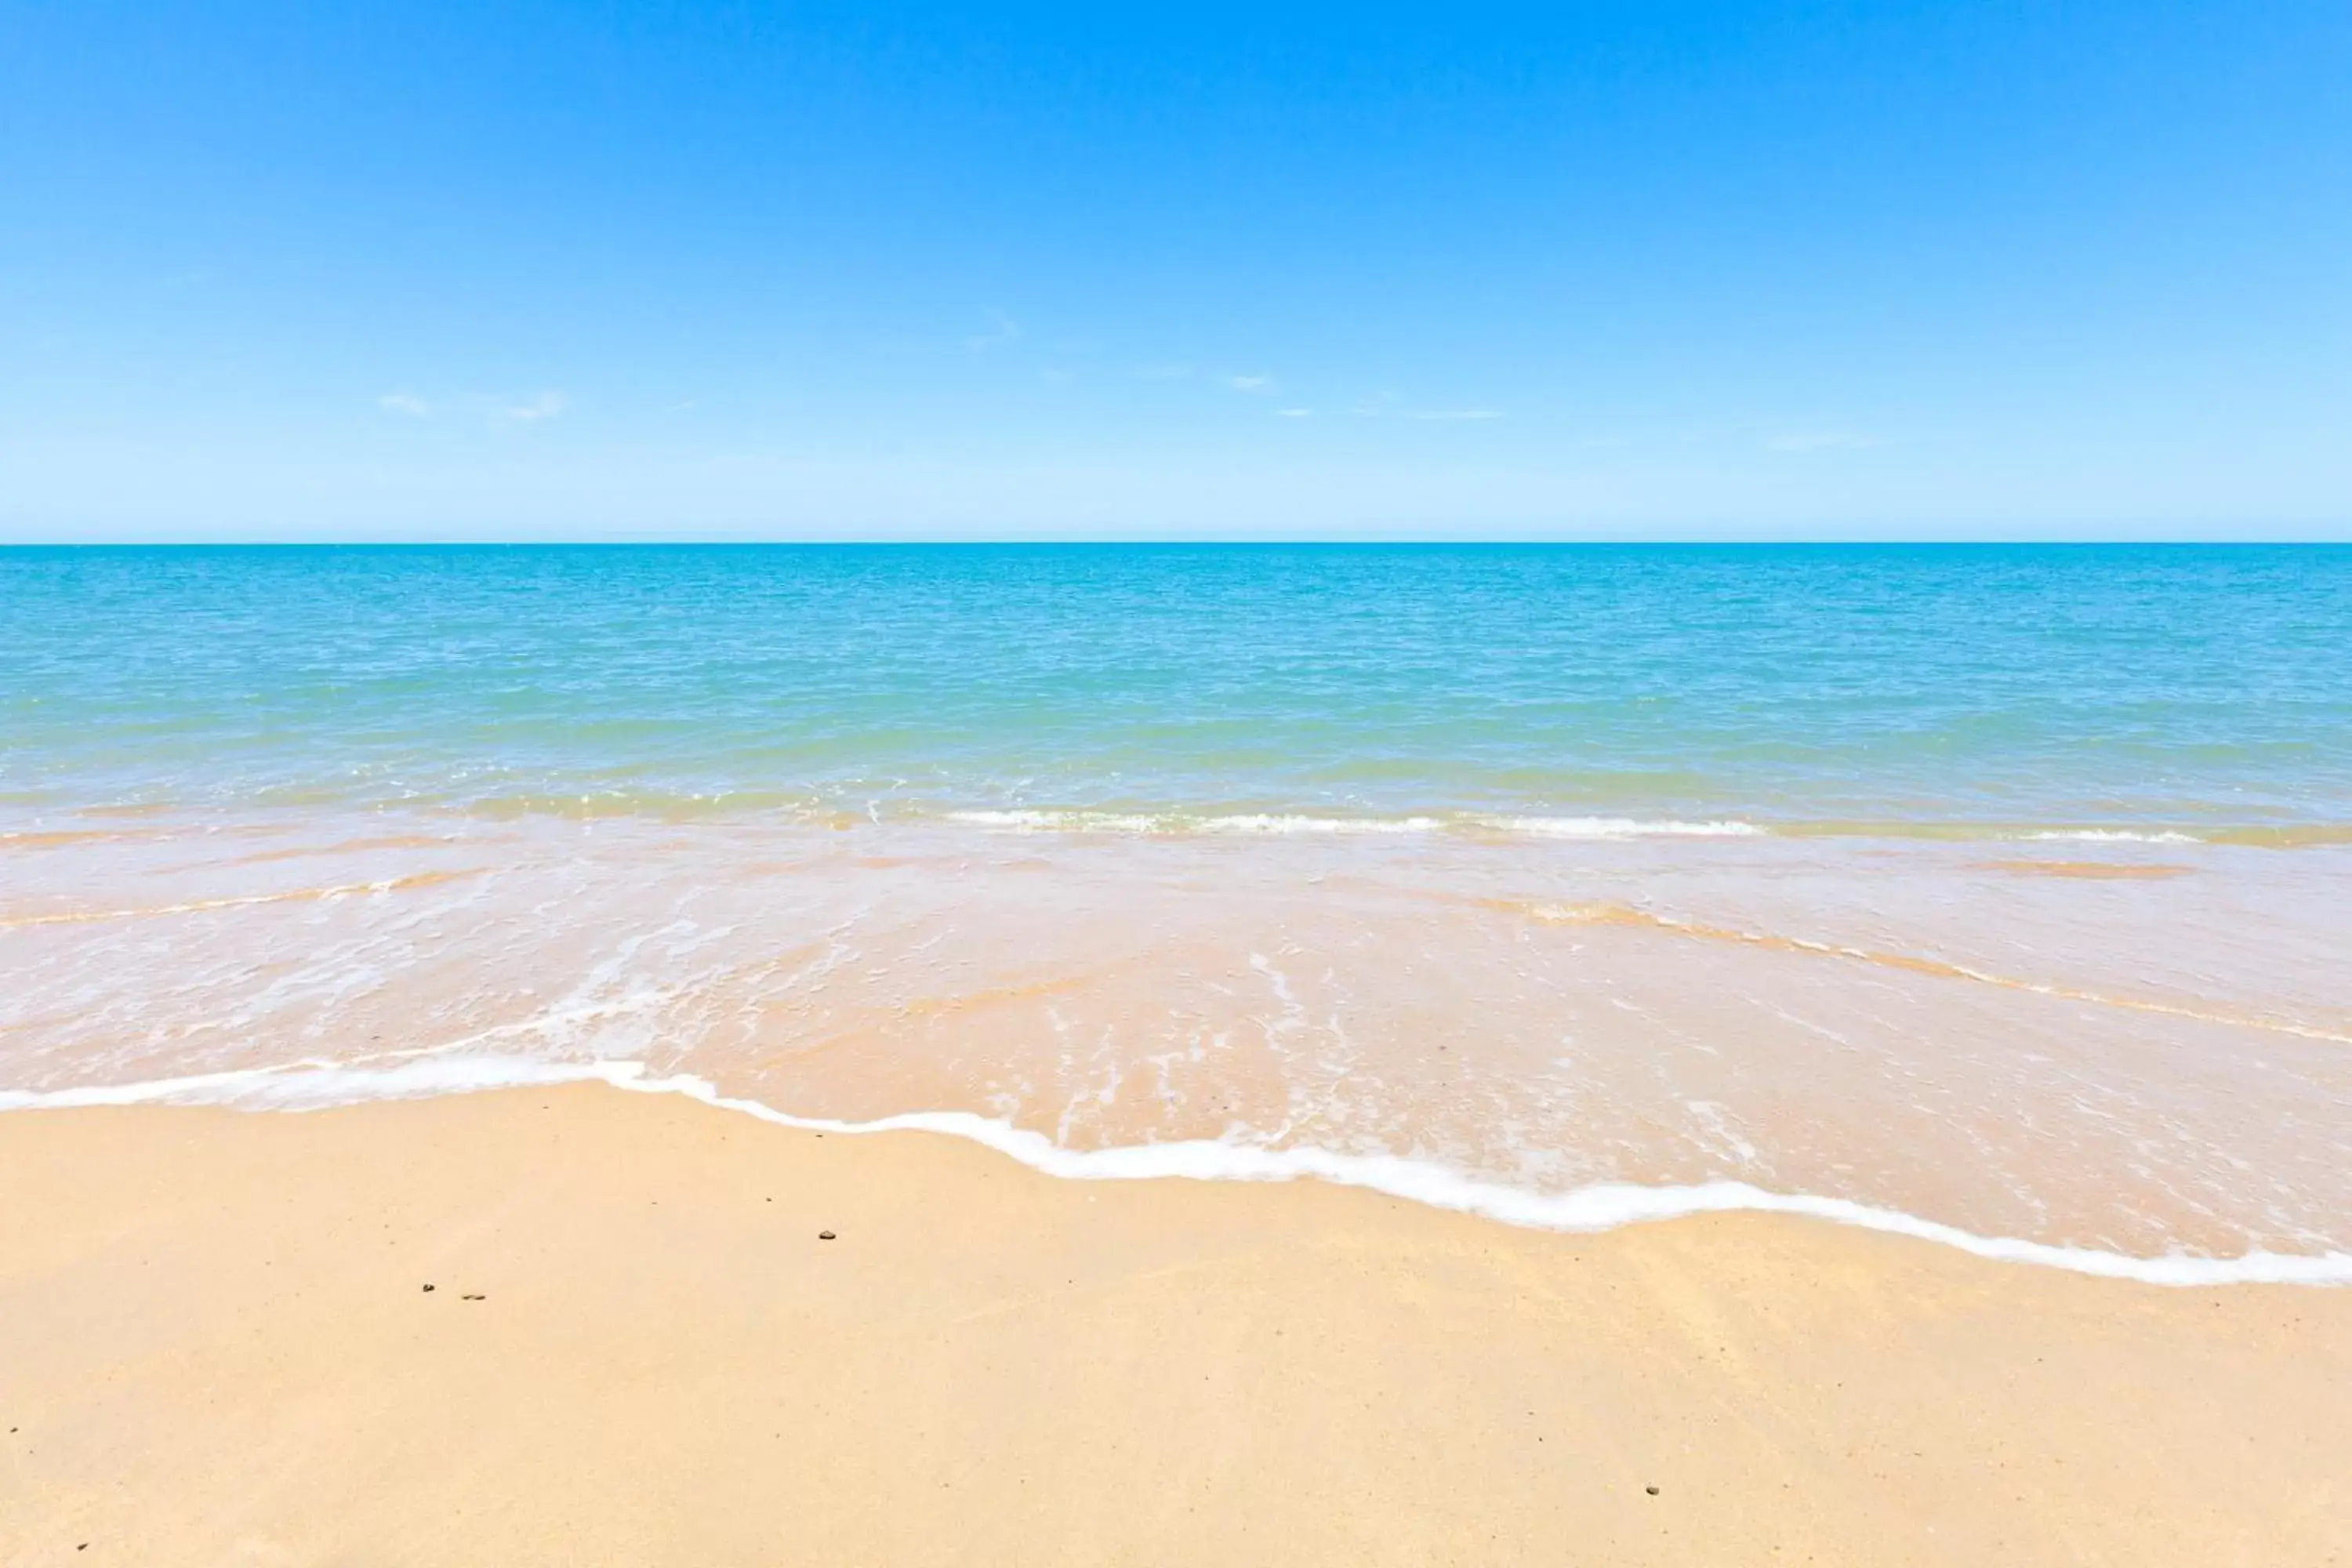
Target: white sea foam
1619, 827
2113, 836
1252, 824
1605, 1206
1236, 822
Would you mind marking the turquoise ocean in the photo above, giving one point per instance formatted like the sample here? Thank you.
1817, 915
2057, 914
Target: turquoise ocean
2204, 688
2000, 894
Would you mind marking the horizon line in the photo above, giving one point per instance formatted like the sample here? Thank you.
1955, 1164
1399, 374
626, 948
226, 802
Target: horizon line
657, 541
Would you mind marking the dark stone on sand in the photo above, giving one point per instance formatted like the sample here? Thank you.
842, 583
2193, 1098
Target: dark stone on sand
824, 1235
1651, 1490
428, 1289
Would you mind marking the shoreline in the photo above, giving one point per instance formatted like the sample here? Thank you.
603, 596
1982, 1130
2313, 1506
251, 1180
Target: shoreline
2126, 1065
1582, 1211
216, 1347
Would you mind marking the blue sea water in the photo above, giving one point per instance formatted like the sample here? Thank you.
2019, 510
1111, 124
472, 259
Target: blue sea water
2201, 689
1993, 895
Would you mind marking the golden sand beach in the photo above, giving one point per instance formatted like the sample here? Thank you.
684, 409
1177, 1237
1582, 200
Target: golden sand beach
584, 1326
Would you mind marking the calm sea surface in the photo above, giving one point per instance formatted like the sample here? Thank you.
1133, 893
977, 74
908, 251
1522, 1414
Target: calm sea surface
2201, 687
2004, 890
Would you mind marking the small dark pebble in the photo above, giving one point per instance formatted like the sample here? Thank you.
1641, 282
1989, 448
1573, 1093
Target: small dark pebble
824, 1235
1651, 1490
473, 1298
428, 1289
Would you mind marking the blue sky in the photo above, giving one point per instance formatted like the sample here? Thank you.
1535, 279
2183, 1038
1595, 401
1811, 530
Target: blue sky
1651, 269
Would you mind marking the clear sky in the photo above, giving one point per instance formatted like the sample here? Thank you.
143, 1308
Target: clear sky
1646, 270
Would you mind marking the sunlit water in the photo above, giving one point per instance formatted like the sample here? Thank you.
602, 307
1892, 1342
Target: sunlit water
2004, 889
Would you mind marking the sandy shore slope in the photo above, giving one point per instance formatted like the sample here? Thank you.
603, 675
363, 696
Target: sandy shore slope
215, 1347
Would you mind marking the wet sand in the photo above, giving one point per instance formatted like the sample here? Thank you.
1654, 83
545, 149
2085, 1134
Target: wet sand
216, 1347
2122, 1062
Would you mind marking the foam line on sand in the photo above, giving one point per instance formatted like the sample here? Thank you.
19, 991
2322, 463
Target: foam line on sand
318, 1084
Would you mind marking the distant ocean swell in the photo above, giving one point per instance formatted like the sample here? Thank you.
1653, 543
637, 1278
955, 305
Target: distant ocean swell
1256, 824
2202, 692
43, 824
1174, 822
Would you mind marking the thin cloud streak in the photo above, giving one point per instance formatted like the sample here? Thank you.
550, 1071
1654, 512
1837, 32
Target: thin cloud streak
1001, 330
506, 408
531, 411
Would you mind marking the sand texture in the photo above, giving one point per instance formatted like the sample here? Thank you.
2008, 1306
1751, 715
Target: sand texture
216, 1348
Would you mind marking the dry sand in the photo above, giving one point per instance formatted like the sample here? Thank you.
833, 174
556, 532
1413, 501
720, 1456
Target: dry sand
215, 1347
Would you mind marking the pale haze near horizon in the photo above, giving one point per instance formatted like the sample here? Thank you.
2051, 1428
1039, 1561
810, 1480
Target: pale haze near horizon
1611, 271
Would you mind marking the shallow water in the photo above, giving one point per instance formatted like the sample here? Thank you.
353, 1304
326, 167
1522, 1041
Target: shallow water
2003, 889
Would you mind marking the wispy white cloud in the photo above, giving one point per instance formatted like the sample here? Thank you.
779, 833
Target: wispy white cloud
532, 410
1454, 416
1296, 413
1255, 385
1000, 330
505, 408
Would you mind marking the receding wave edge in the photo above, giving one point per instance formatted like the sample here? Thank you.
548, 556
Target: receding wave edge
320, 1085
